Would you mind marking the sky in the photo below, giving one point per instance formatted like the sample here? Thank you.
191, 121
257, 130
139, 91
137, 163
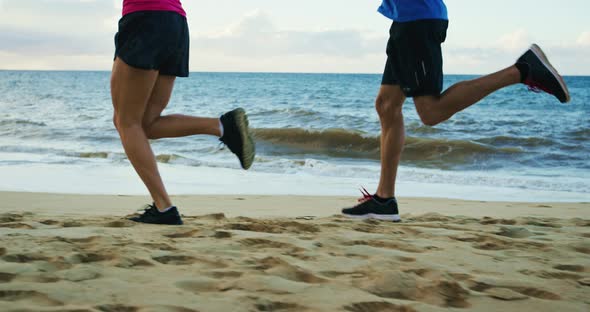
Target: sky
297, 36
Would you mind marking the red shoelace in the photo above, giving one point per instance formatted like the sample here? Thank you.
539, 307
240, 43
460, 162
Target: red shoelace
366, 195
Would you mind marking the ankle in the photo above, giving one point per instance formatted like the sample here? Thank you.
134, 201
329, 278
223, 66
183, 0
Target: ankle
523, 69
221, 130
383, 197
163, 206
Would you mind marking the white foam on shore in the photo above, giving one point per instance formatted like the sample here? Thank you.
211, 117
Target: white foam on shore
102, 177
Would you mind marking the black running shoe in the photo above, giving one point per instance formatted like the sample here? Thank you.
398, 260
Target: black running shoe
542, 76
370, 208
237, 137
151, 215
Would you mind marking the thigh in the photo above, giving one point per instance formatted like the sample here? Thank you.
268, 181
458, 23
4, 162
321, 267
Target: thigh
159, 98
131, 89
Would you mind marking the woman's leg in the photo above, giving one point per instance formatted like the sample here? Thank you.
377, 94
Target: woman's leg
131, 88
172, 126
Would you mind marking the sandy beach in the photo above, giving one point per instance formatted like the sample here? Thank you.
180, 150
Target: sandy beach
287, 253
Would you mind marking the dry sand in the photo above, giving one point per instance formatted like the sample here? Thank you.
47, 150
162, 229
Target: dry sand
285, 253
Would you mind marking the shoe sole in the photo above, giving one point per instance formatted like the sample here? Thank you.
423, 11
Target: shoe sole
545, 61
392, 218
248, 147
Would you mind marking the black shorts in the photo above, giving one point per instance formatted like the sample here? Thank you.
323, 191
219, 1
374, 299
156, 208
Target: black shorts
414, 57
154, 40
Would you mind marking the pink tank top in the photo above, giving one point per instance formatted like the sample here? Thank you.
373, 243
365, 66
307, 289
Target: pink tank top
130, 6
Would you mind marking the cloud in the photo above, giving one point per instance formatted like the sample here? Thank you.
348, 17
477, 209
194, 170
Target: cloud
256, 36
584, 39
568, 57
515, 41
255, 42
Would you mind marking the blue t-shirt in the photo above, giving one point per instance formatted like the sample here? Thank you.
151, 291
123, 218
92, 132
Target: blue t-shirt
412, 10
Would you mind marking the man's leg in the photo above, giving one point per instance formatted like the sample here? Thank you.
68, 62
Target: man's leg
436, 109
389, 107
383, 205
532, 68
131, 89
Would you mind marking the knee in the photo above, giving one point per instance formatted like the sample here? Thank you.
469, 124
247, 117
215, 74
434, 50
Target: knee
148, 129
388, 108
115, 122
122, 124
428, 119
427, 115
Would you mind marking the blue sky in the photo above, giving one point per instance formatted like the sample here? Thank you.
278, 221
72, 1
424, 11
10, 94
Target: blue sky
297, 36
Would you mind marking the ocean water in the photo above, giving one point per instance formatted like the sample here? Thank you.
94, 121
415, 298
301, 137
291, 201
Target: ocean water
317, 134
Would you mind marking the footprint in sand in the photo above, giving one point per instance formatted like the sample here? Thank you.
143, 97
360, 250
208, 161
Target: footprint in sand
551, 223
158, 246
176, 259
189, 260
129, 263
275, 227
550, 275
25, 258
222, 234
29, 296
84, 240
409, 286
49, 222
79, 274
225, 274
120, 224
166, 308
265, 243
116, 308
583, 247
267, 305
72, 223
489, 242
387, 245
255, 227
212, 217
489, 221
11, 217
570, 267
183, 234
505, 294
483, 285
377, 306
199, 285
278, 267
91, 257
514, 232
17, 225
6, 277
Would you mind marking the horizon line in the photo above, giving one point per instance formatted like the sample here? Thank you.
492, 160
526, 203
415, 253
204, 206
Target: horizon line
250, 72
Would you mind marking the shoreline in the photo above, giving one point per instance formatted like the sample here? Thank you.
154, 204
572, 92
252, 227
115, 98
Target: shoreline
276, 206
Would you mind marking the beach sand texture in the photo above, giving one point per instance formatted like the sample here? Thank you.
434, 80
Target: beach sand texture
281, 253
